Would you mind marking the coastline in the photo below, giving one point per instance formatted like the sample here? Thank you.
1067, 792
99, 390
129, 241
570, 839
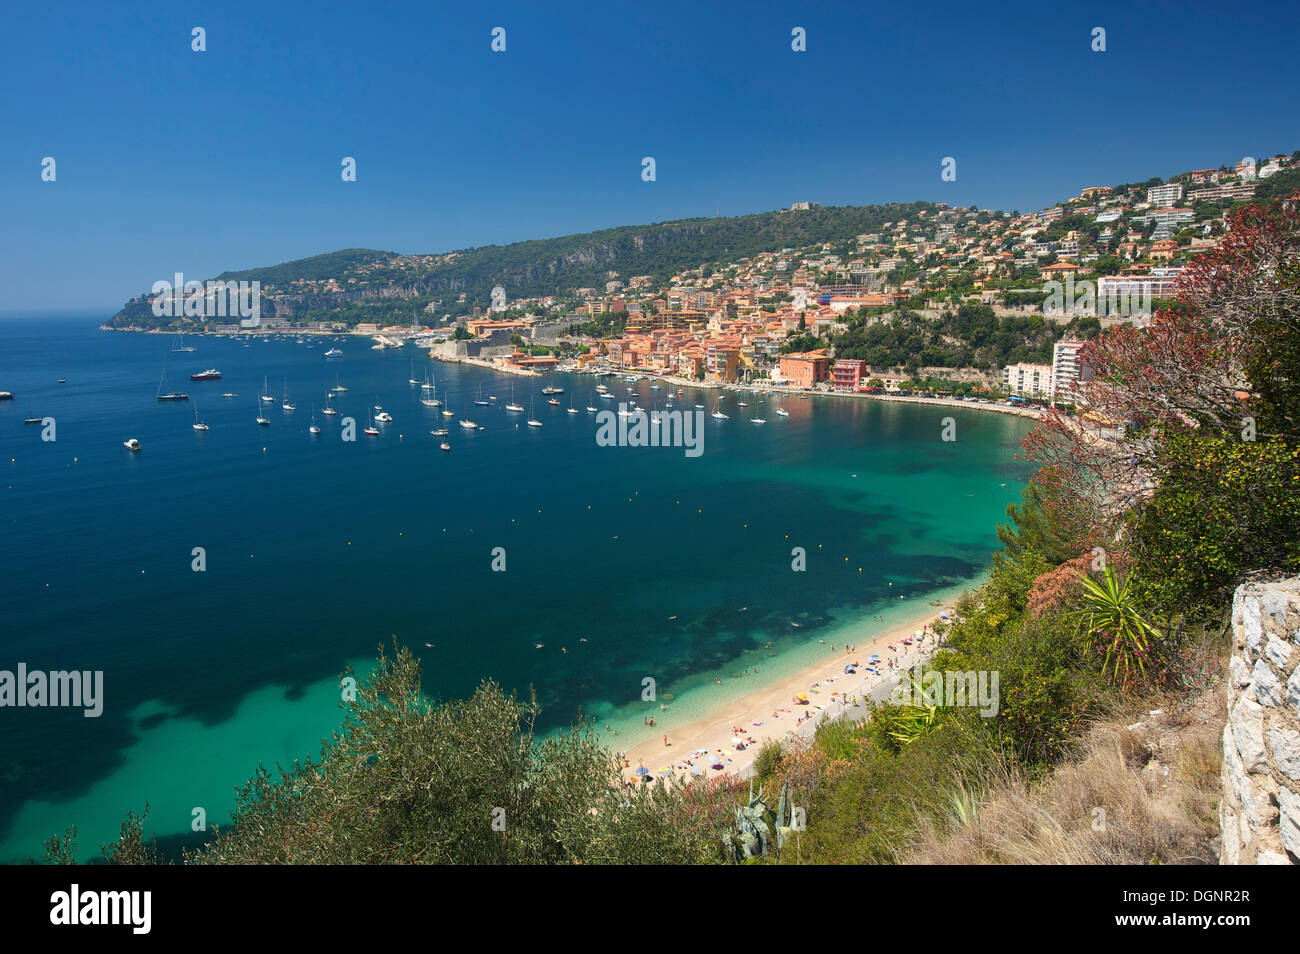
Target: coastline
757, 388
770, 713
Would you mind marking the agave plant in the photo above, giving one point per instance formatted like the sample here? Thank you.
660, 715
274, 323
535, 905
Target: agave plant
1111, 621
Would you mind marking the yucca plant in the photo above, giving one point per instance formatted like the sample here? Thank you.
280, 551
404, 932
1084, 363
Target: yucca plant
1111, 621
912, 721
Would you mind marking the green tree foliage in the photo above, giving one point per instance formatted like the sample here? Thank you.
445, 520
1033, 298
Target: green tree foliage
407, 781
968, 336
1223, 506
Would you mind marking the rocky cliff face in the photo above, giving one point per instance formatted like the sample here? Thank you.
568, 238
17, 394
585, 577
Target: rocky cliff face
1260, 810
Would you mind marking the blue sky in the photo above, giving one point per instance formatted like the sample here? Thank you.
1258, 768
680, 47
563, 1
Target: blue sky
171, 160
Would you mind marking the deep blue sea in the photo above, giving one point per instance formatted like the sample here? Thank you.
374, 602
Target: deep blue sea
318, 550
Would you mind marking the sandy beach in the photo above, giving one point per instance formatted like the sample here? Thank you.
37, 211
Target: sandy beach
772, 712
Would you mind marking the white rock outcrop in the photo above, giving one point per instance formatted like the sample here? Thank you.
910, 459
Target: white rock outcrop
1259, 813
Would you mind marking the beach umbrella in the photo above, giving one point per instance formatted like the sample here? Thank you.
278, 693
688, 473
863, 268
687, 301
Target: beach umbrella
875, 655
642, 770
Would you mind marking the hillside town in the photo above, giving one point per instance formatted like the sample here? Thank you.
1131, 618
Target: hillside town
774, 319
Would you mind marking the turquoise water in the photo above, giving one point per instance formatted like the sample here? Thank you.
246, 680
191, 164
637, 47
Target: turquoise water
317, 550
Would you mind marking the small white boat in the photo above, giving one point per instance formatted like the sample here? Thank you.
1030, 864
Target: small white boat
131, 444
198, 425
783, 412
266, 398
264, 422
445, 446
370, 428
718, 414
532, 421
313, 429
383, 417
332, 353
513, 406
228, 394
440, 432
757, 420
286, 403
338, 385
468, 425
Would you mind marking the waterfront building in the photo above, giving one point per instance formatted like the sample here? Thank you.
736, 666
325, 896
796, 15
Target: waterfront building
805, 368
1066, 369
848, 374
1027, 380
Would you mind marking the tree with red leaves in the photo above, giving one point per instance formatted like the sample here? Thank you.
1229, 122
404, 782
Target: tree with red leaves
1223, 362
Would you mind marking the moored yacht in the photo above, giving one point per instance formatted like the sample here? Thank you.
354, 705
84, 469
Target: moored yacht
169, 395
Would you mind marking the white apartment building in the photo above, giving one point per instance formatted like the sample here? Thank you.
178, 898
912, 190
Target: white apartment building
1066, 369
1163, 196
1027, 380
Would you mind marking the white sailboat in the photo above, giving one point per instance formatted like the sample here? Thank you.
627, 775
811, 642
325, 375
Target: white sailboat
180, 344
718, 414
513, 406
266, 395
370, 428
411, 379
264, 422
532, 421
313, 430
338, 385
286, 403
168, 395
428, 392
198, 425
329, 404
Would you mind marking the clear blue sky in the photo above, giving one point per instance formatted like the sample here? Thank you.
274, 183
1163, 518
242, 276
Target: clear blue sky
173, 160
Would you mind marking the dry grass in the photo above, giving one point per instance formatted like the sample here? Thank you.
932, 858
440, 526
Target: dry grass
1158, 787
